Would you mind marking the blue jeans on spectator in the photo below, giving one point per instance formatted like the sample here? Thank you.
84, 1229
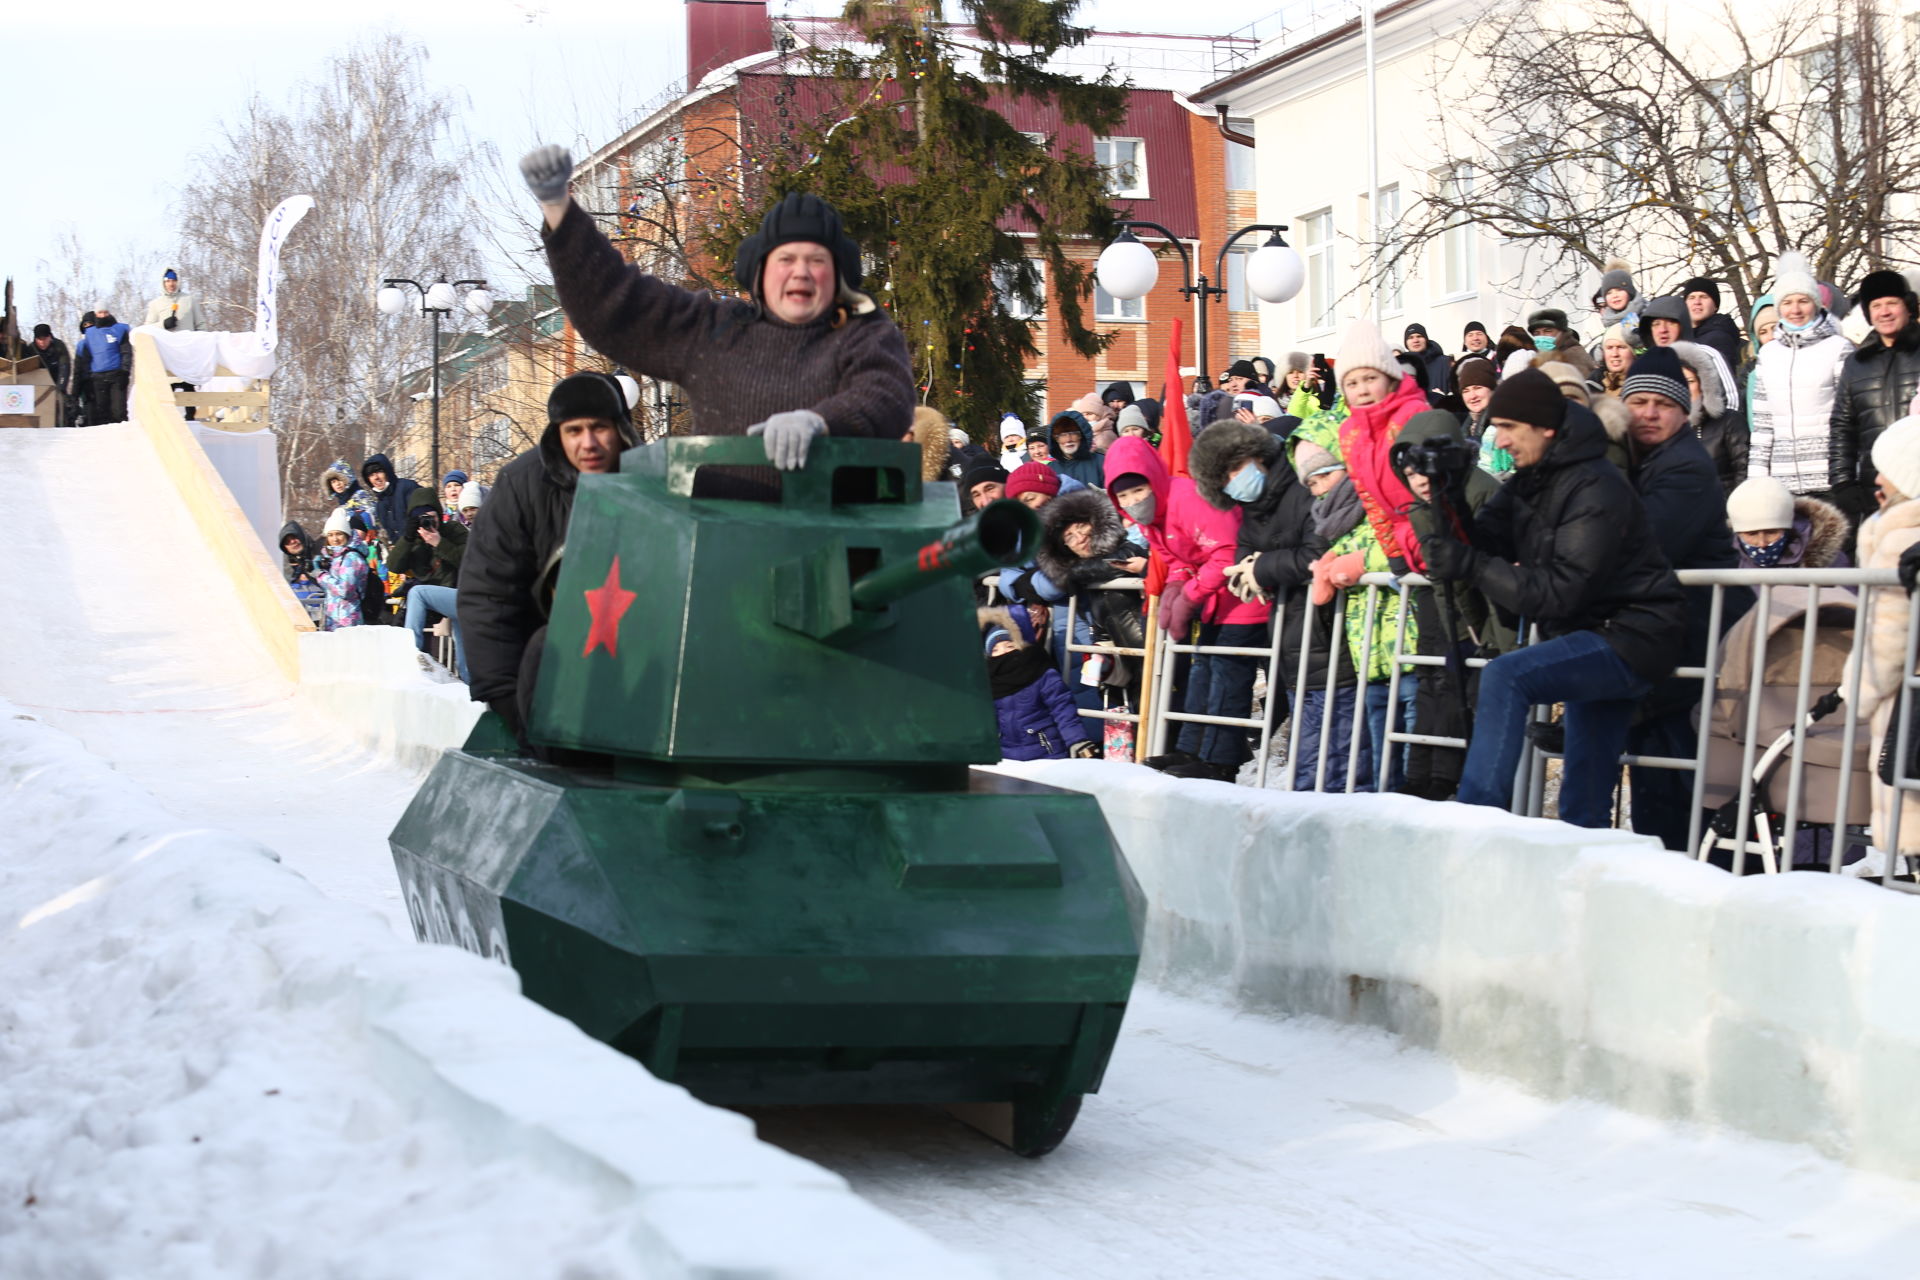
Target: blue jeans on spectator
422, 598
1389, 779
1600, 690
1222, 685
1312, 710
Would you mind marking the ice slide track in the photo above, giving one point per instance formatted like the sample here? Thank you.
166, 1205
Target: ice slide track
1222, 1144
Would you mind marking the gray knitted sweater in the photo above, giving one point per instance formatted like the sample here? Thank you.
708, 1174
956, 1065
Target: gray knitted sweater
737, 364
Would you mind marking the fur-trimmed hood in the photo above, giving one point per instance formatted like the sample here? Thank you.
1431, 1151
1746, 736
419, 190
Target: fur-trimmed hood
1713, 401
339, 468
1827, 529
1001, 618
1220, 450
1614, 417
1064, 569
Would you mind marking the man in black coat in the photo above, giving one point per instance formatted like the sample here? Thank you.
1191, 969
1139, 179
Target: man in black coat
522, 526
1876, 386
1564, 544
395, 498
1679, 488
1710, 328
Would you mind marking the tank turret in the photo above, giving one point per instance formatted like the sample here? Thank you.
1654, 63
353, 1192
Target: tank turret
754, 854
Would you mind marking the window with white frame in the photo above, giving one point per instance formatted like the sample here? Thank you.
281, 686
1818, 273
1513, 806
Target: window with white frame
1459, 243
1125, 160
1722, 177
1387, 231
492, 441
1108, 307
1239, 298
1240, 158
1010, 302
1316, 246
1831, 94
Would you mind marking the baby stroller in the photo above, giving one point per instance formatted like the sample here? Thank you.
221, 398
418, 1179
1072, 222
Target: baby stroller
1784, 629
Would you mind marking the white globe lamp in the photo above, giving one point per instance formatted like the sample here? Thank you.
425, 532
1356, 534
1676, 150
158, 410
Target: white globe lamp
479, 303
391, 301
1127, 269
1275, 271
440, 296
630, 389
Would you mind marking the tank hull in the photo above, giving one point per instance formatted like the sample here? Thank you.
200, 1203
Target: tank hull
972, 944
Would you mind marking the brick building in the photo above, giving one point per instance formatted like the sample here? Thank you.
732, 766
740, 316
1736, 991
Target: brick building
684, 158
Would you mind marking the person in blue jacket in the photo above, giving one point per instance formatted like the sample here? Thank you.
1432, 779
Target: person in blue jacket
1037, 717
105, 363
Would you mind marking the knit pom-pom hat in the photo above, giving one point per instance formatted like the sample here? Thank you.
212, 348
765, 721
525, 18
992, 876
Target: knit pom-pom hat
1792, 274
1365, 347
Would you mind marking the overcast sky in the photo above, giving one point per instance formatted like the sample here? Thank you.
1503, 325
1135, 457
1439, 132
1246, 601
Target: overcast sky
112, 107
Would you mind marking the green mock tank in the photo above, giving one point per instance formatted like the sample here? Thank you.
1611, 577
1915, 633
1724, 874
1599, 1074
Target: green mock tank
754, 853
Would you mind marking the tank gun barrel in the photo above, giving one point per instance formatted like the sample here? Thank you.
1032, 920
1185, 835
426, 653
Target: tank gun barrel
1002, 533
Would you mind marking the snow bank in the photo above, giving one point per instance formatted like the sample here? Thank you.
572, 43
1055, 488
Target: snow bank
208, 1069
370, 682
1588, 963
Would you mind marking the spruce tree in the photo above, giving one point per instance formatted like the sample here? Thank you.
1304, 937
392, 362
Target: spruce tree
938, 187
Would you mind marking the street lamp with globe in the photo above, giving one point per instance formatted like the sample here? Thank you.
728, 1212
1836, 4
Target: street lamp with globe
436, 300
1127, 269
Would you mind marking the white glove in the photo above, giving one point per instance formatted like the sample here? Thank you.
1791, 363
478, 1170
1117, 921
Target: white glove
547, 171
1241, 582
788, 435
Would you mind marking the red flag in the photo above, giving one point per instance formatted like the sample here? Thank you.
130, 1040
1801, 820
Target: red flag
1176, 433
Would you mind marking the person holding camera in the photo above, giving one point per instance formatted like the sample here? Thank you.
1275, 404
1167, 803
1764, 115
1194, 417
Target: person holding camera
1564, 545
1440, 467
430, 555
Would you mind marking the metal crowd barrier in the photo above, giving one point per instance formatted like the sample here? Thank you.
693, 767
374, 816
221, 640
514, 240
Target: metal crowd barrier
1868, 588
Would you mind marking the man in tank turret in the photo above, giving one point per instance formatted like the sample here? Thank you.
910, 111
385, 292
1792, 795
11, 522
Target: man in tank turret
807, 356
523, 524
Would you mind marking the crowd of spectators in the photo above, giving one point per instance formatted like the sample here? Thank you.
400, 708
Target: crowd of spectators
91, 377
1537, 480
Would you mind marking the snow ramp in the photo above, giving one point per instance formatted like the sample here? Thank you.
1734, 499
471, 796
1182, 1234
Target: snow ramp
221, 1052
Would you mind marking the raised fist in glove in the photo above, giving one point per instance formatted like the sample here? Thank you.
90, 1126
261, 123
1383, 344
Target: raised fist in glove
1083, 750
1910, 567
1449, 559
1241, 582
1177, 611
788, 435
547, 171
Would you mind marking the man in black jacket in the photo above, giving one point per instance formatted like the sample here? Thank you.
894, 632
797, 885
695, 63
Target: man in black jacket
1710, 328
521, 528
430, 557
58, 363
1564, 544
1679, 489
1876, 386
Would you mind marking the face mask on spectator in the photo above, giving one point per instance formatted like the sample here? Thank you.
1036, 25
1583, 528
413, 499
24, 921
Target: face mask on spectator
1141, 512
1543, 342
1766, 557
1247, 483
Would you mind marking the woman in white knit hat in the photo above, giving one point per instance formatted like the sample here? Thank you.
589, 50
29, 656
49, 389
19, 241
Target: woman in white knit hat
1794, 382
1881, 654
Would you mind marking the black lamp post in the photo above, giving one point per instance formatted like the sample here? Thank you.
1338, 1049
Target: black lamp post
436, 300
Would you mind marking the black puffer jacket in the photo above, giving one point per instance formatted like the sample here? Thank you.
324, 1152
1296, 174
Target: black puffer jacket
1569, 547
436, 566
519, 530
1876, 385
1679, 489
1276, 528
1723, 335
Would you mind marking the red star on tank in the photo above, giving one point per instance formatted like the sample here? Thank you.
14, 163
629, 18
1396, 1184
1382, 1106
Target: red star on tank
607, 604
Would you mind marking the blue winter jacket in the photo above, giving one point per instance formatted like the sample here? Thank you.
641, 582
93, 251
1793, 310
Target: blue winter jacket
1040, 721
106, 347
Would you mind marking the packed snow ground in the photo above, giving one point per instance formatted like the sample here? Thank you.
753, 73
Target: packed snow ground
179, 1101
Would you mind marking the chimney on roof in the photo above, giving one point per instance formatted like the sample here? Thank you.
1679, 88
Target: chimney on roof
722, 31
